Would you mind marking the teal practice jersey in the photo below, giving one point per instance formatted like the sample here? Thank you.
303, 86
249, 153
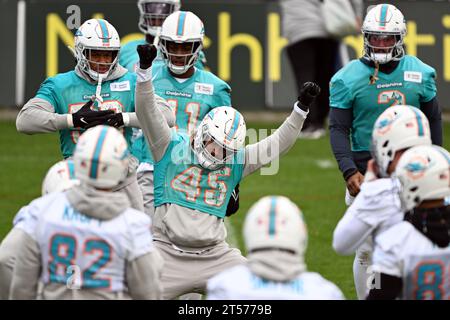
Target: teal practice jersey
191, 100
129, 57
411, 83
180, 180
67, 93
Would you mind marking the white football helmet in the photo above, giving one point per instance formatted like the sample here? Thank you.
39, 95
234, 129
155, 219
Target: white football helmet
384, 20
152, 14
101, 157
275, 222
398, 127
96, 34
186, 28
60, 177
224, 126
424, 174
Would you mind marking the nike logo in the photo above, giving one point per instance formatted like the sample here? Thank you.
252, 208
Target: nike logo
84, 121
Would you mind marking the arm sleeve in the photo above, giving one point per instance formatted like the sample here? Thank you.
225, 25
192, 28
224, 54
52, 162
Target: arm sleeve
224, 95
162, 105
26, 270
340, 126
38, 116
350, 233
390, 288
143, 276
434, 115
156, 131
265, 151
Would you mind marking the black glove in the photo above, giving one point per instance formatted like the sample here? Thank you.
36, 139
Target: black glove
147, 53
86, 117
115, 120
233, 204
308, 94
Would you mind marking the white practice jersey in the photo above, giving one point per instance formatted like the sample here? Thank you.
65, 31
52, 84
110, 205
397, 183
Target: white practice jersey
376, 208
82, 251
239, 283
404, 252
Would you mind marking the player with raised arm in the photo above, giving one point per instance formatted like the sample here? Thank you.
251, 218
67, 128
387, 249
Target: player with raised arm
377, 207
195, 176
412, 259
191, 91
275, 237
87, 242
98, 91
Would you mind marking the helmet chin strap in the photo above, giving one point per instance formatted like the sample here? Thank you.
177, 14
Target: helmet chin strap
98, 91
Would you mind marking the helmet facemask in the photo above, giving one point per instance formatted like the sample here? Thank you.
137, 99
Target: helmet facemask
383, 54
93, 67
180, 63
211, 153
153, 14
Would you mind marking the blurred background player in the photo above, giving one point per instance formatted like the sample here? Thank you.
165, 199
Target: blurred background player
64, 102
275, 238
195, 176
100, 248
60, 177
377, 207
413, 257
364, 88
190, 91
313, 54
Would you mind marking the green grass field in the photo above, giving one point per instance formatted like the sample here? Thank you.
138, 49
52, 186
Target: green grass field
308, 175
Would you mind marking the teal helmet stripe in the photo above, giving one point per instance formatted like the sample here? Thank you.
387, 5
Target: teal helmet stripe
104, 28
71, 167
97, 151
383, 15
181, 21
272, 216
419, 122
234, 127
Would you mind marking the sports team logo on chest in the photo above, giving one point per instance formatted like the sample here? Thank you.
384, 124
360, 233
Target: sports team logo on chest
391, 98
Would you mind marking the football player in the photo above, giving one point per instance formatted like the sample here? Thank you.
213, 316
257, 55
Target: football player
87, 242
191, 91
60, 177
412, 258
65, 102
195, 176
385, 76
275, 238
377, 207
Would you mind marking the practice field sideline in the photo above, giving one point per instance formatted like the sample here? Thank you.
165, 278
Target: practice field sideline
308, 175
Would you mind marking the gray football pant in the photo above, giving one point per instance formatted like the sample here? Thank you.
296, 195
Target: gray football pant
145, 182
186, 272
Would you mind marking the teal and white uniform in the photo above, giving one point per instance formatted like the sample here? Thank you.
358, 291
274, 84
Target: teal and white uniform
67, 93
180, 180
411, 83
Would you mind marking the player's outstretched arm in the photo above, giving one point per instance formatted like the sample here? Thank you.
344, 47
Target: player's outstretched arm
26, 270
144, 277
265, 151
153, 124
